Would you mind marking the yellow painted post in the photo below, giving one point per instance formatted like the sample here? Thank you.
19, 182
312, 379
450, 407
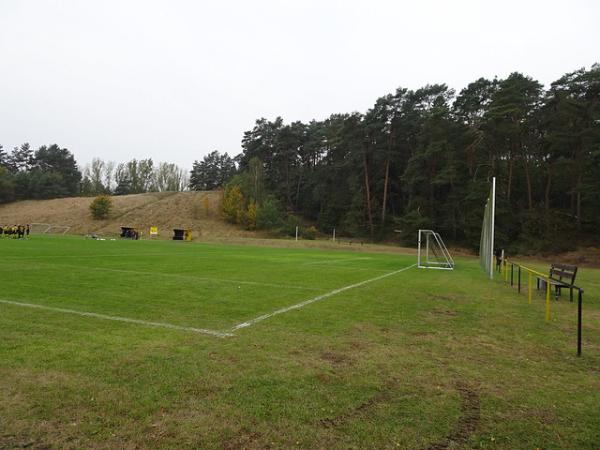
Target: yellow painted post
529, 287
547, 300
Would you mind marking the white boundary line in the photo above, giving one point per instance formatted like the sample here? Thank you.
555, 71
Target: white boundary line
215, 333
111, 255
315, 299
219, 334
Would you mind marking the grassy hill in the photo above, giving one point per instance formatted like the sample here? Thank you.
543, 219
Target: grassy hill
165, 210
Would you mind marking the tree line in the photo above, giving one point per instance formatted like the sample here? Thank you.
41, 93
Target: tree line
424, 158
48, 172
419, 158
132, 177
52, 172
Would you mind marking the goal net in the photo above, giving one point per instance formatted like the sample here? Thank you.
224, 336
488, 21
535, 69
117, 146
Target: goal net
486, 245
39, 228
432, 252
48, 228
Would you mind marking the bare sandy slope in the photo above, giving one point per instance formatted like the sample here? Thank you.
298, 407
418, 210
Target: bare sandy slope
165, 210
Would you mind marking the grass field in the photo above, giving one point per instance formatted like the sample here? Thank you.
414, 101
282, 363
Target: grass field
120, 344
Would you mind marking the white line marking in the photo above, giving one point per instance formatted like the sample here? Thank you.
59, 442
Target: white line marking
112, 255
316, 299
219, 334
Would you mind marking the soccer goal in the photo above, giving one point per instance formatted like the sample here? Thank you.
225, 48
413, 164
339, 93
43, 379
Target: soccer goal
58, 229
40, 228
48, 228
486, 245
432, 252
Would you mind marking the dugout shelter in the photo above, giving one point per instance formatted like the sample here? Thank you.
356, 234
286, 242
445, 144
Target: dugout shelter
182, 234
130, 233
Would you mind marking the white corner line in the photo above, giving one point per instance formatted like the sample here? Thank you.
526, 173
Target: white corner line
219, 334
316, 299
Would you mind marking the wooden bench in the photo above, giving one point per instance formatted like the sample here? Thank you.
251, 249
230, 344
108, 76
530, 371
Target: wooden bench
562, 276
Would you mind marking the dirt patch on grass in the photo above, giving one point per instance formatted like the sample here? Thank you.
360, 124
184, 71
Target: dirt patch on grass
245, 439
358, 411
470, 416
10, 441
444, 312
336, 358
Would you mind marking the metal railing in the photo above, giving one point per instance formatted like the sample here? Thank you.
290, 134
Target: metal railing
519, 268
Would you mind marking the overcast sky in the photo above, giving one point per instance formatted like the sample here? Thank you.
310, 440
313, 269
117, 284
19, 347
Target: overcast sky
174, 80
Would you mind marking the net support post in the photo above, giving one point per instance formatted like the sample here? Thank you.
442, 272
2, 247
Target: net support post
493, 214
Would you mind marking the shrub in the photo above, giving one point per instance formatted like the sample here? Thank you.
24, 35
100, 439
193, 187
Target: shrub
268, 215
309, 233
100, 207
251, 216
289, 227
232, 207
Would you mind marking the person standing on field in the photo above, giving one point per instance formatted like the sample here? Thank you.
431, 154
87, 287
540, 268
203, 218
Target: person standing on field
499, 254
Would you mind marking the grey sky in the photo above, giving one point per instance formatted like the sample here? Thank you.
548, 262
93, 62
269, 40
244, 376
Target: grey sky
174, 80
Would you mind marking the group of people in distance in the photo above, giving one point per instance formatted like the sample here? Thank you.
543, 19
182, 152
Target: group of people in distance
16, 231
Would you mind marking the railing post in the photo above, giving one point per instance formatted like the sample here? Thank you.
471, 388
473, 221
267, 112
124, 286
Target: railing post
529, 287
511, 274
519, 281
579, 307
547, 300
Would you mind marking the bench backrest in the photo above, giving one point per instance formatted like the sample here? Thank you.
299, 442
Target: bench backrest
564, 273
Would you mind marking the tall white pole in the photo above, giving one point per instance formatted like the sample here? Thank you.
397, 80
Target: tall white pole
296, 232
493, 225
419, 251
334, 235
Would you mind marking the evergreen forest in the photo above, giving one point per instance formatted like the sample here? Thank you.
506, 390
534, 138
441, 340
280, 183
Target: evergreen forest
419, 158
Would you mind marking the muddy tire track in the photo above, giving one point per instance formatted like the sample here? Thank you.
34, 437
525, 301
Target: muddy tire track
470, 416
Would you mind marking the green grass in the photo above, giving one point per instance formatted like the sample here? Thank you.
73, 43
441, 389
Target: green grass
420, 359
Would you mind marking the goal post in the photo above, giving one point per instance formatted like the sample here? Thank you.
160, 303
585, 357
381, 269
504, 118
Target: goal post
486, 245
432, 253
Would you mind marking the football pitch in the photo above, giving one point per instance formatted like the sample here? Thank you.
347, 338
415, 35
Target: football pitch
157, 344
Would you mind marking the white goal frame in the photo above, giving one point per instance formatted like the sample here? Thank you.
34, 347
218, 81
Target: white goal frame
428, 240
65, 229
46, 228
43, 227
